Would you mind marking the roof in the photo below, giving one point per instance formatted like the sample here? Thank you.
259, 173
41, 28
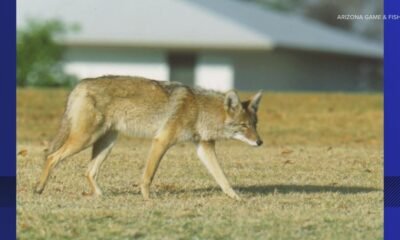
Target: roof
215, 24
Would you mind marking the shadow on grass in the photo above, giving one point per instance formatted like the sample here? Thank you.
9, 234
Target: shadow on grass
293, 188
257, 189
289, 188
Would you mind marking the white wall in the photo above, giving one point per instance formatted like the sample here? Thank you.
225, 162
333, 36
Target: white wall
94, 62
214, 72
156, 70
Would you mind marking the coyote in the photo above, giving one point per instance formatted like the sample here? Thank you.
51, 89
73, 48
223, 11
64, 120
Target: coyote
168, 112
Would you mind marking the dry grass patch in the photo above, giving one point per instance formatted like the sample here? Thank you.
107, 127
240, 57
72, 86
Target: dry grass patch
319, 176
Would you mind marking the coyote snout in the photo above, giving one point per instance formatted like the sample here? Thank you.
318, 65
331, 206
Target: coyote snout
256, 143
99, 109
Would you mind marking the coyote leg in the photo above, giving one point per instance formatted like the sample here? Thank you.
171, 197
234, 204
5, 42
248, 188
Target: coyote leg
70, 147
101, 149
206, 153
159, 147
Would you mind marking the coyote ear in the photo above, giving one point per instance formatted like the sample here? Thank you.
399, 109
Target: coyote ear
255, 101
232, 101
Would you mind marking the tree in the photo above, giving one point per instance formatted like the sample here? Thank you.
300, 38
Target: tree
39, 54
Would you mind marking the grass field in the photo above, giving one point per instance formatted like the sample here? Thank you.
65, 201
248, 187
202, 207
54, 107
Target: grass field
318, 176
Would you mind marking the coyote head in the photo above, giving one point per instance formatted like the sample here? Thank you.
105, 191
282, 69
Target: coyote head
241, 120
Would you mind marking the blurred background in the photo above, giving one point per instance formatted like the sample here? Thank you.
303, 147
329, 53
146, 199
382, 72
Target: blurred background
319, 173
285, 45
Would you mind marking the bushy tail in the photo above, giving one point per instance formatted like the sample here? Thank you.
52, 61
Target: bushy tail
61, 136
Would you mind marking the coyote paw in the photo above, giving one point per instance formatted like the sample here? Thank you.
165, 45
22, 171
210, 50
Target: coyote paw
234, 196
145, 192
91, 194
38, 189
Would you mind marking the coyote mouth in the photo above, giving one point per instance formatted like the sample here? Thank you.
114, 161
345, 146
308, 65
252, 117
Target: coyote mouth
242, 138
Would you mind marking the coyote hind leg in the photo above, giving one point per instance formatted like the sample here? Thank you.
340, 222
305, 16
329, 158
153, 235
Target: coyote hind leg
71, 146
101, 149
74, 143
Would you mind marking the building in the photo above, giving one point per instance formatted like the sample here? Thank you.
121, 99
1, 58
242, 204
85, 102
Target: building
219, 44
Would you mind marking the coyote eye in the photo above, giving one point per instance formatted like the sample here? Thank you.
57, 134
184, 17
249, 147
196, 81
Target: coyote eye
244, 125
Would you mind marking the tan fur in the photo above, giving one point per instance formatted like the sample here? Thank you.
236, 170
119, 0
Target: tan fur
168, 112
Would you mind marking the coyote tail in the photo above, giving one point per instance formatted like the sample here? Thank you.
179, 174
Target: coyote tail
60, 137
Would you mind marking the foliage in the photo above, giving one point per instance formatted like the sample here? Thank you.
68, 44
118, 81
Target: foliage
39, 54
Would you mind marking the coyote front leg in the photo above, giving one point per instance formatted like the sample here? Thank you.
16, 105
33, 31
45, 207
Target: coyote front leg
206, 153
159, 147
